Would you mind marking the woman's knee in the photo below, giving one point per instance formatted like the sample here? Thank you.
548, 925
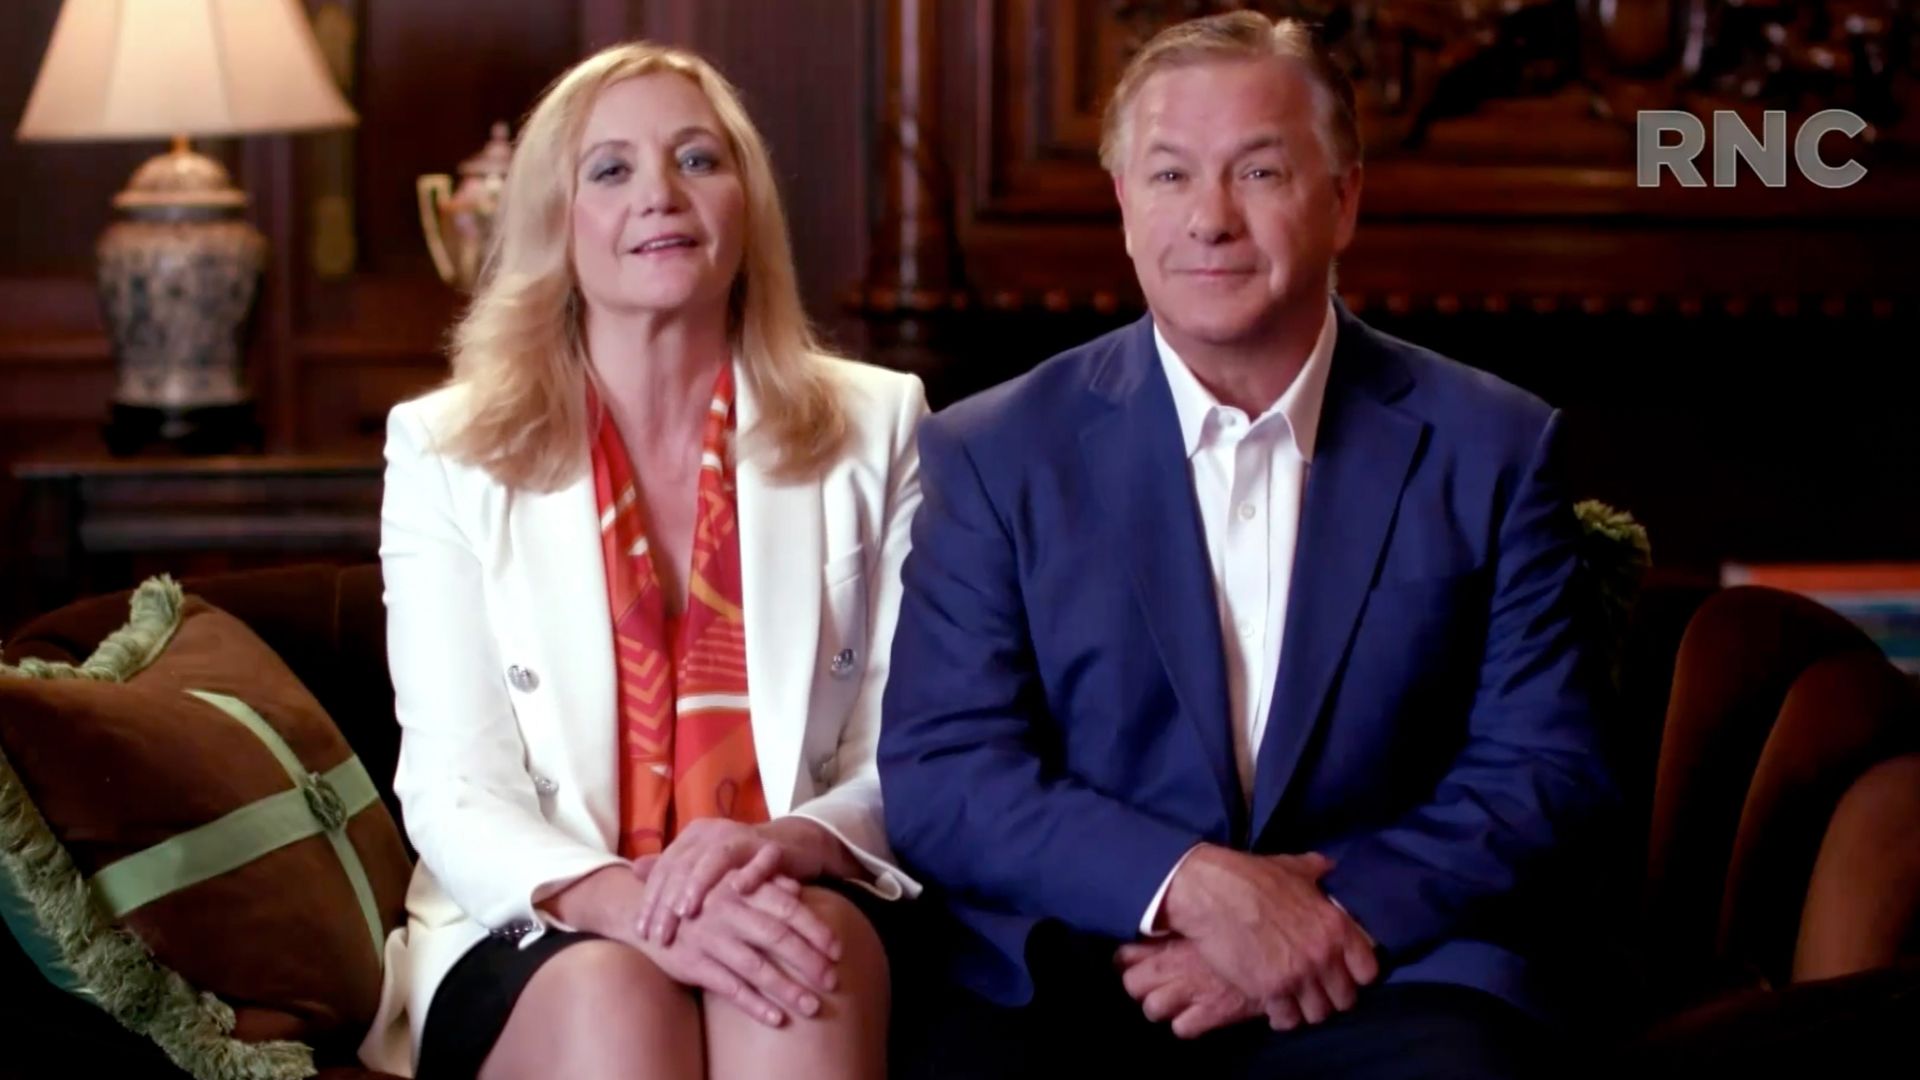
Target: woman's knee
581, 983
847, 1038
860, 943
597, 970
560, 1019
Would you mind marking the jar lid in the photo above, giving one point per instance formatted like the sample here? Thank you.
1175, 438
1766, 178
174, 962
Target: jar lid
180, 178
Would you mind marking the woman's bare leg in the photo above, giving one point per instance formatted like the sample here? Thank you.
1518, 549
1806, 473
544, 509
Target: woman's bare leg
847, 1038
600, 1009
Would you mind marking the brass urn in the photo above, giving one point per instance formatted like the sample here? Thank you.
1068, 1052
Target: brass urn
458, 221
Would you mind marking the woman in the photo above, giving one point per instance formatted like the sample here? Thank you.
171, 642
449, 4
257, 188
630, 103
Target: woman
642, 559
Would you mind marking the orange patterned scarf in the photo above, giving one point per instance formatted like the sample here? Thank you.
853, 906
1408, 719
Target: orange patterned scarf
685, 738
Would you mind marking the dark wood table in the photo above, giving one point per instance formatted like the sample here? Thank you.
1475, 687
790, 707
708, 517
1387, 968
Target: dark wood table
86, 525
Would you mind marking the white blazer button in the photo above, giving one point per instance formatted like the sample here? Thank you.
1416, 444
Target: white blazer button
545, 786
523, 679
842, 665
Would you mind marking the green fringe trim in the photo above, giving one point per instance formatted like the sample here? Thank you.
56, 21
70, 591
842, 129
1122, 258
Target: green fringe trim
1614, 557
119, 974
155, 616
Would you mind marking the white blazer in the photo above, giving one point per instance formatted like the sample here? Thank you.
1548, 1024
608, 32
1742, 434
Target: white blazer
501, 649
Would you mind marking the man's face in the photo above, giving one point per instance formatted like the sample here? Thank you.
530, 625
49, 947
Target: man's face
1231, 203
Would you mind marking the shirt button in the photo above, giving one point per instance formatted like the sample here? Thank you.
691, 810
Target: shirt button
1246, 511
1246, 628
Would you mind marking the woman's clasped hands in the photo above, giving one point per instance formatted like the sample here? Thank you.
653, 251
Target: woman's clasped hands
721, 909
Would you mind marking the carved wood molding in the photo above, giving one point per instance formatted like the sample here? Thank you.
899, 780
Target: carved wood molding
1500, 171
1417, 63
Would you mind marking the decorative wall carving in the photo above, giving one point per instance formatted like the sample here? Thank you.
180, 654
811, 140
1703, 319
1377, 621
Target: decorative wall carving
1417, 61
1500, 153
1682, 331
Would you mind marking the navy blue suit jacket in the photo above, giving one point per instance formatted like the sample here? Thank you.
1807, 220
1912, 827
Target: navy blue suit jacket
1055, 732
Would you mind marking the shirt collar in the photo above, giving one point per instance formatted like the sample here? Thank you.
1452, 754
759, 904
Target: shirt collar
1300, 403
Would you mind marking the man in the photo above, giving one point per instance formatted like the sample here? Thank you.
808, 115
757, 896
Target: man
1236, 696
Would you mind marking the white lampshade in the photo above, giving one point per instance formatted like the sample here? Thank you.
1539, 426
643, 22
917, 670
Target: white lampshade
130, 69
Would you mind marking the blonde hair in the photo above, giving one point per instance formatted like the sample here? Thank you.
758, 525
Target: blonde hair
1231, 36
519, 352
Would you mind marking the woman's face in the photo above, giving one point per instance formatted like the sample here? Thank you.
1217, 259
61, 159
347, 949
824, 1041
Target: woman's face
659, 209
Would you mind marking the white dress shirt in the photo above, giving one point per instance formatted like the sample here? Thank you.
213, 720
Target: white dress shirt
1248, 479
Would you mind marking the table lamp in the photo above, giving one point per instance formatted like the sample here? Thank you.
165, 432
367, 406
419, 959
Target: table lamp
180, 265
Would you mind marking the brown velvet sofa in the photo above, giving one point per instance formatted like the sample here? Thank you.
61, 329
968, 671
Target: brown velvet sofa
1771, 758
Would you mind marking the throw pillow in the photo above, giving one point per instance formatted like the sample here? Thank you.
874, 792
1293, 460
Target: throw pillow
187, 840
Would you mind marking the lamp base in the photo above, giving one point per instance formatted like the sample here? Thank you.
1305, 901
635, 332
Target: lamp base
210, 429
178, 272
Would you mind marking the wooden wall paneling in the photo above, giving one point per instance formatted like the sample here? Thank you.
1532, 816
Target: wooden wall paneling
1044, 83
672, 21
911, 264
433, 76
1736, 363
345, 395
55, 372
57, 194
1527, 187
802, 69
52, 401
43, 305
914, 288
273, 373
605, 22
326, 358
1510, 153
978, 234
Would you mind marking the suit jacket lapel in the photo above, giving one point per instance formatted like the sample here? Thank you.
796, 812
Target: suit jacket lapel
1363, 455
782, 542
1135, 457
564, 607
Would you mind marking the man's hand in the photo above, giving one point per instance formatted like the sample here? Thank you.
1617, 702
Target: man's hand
1263, 924
1172, 982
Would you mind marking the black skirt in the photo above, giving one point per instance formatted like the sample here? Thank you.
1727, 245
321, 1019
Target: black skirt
471, 1006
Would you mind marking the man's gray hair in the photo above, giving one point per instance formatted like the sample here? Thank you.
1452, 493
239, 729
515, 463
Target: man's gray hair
1239, 35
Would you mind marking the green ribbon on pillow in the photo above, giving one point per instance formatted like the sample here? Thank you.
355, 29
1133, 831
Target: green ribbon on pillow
318, 804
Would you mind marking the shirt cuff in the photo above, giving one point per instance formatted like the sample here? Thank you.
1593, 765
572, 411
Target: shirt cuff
1152, 916
1335, 901
885, 880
